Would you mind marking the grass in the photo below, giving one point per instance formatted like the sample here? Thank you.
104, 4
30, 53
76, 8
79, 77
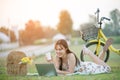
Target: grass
113, 62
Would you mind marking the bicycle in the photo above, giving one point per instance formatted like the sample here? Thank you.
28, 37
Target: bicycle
99, 40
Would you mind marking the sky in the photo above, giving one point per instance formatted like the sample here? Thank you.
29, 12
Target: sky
19, 12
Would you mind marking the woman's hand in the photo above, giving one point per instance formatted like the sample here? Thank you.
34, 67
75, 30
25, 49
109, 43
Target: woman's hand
49, 60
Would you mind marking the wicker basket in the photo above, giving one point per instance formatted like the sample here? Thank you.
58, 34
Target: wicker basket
89, 32
13, 66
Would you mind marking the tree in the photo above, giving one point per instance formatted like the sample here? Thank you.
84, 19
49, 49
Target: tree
49, 32
32, 32
65, 24
115, 16
113, 28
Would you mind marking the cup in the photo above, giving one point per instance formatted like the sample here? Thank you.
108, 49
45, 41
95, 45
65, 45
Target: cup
48, 56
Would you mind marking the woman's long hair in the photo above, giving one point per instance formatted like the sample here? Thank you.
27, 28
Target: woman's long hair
63, 43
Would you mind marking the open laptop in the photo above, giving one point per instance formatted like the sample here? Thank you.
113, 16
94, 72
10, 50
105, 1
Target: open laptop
46, 69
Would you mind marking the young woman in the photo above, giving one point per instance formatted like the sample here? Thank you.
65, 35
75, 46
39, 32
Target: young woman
66, 62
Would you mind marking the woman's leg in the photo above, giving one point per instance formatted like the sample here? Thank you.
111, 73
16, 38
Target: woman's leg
96, 59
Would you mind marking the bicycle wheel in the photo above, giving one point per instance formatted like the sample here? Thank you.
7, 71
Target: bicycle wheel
92, 46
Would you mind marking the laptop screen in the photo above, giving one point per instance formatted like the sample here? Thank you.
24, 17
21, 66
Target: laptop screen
46, 69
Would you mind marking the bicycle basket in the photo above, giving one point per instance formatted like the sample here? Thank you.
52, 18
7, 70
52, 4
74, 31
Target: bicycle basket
89, 31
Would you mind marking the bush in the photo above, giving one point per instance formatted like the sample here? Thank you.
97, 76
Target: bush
116, 39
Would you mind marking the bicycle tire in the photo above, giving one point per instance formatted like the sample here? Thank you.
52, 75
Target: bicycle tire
95, 43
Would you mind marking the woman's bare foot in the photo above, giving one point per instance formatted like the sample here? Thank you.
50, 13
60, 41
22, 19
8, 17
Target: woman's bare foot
105, 48
107, 44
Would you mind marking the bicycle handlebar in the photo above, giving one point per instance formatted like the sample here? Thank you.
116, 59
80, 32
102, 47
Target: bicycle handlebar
105, 18
102, 18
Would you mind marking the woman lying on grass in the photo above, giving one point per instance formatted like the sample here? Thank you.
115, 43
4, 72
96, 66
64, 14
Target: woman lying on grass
66, 62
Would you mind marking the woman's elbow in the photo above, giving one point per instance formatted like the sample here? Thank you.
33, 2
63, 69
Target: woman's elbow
71, 71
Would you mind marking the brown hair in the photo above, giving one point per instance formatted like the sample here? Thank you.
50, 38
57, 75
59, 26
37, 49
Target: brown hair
63, 43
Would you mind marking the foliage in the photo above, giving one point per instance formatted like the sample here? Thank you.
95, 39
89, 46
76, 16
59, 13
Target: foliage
113, 28
65, 24
35, 31
116, 39
49, 32
115, 16
32, 32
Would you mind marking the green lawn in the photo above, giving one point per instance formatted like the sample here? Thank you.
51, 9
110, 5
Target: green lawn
114, 62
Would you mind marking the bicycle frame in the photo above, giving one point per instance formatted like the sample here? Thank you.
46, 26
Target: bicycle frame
99, 40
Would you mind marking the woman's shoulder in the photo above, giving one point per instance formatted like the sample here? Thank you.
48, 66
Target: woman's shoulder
71, 55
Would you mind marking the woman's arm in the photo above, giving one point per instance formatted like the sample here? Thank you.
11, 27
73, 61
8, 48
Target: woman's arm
71, 64
62, 72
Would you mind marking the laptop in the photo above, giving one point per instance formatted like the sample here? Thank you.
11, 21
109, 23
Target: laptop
46, 69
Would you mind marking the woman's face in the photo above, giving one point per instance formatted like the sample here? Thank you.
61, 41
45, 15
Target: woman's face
60, 51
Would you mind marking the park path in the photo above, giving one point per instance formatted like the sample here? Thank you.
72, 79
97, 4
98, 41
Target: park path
30, 50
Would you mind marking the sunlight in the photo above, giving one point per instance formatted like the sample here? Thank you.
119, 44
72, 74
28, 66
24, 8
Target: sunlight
48, 11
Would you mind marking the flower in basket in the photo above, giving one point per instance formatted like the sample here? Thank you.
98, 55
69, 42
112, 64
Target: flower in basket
26, 60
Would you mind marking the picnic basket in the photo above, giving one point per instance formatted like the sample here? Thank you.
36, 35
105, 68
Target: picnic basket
89, 31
